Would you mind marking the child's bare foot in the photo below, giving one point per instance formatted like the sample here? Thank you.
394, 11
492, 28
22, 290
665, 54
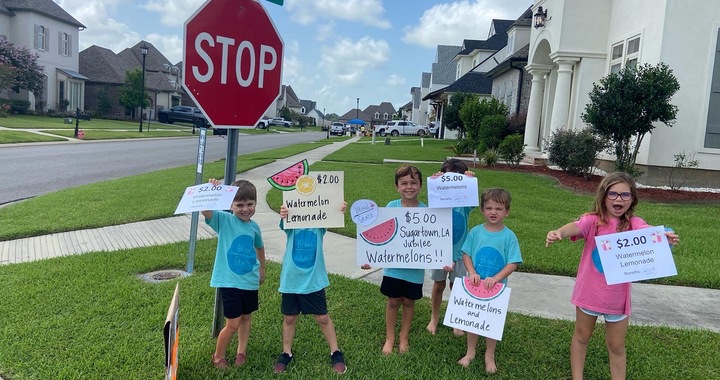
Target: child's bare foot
458, 332
387, 347
466, 360
404, 347
432, 326
490, 366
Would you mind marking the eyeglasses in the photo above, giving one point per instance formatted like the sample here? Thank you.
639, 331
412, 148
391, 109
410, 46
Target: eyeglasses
613, 195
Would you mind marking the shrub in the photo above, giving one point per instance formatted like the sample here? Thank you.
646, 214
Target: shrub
678, 174
512, 149
575, 151
516, 124
20, 106
492, 130
491, 157
464, 146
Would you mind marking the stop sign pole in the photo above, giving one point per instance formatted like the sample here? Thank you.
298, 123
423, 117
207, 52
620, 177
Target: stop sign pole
232, 69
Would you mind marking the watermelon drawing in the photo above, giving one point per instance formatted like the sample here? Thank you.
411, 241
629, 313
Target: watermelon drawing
479, 291
382, 233
285, 180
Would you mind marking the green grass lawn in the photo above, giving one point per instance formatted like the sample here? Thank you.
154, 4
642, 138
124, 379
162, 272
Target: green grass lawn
43, 122
16, 137
89, 317
103, 134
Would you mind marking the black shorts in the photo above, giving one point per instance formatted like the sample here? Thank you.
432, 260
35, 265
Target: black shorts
237, 302
313, 303
395, 288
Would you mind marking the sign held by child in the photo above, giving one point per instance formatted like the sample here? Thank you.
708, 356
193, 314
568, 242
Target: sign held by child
474, 310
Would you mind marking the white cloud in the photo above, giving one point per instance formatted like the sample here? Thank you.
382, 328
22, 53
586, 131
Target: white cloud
173, 12
170, 46
101, 29
346, 61
396, 80
450, 23
325, 30
368, 12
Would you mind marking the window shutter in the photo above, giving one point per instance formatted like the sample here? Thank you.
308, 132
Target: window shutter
60, 44
47, 40
37, 32
70, 49
712, 129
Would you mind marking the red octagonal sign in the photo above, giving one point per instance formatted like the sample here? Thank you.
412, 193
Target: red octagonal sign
232, 62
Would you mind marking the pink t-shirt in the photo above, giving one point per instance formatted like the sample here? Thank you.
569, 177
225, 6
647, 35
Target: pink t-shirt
591, 290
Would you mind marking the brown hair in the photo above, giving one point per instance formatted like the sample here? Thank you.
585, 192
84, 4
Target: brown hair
410, 170
453, 165
498, 195
599, 207
246, 191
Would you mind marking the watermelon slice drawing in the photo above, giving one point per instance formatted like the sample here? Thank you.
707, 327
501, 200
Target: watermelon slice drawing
478, 291
285, 179
382, 233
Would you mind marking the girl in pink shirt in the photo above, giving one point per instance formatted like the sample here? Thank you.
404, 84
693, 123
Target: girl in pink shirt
612, 212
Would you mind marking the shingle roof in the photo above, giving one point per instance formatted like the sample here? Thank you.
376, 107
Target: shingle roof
469, 46
308, 104
472, 82
44, 7
519, 56
525, 19
101, 65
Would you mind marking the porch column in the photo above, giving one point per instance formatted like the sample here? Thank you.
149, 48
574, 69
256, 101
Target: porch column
532, 123
561, 104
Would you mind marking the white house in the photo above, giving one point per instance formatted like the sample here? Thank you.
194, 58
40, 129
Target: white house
49, 31
582, 41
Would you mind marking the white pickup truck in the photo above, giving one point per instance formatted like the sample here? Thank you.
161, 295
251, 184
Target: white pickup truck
401, 127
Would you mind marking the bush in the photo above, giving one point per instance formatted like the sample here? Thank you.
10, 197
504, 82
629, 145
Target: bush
516, 124
575, 151
492, 130
464, 146
512, 149
491, 157
678, 174
20, 106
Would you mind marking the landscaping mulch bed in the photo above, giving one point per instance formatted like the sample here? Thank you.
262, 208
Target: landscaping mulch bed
589, 186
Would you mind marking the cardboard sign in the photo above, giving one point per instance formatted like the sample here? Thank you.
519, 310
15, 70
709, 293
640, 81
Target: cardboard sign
171, 333
472, 309
635, 255
452, 190
407, 237
316, 201
206, 197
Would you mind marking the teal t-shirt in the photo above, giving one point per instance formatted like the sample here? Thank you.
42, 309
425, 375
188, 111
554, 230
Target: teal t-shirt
460, 217
303, 268
416, 276
491, 251
236, 262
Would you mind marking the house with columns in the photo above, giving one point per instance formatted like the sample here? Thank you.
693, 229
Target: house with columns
575, 43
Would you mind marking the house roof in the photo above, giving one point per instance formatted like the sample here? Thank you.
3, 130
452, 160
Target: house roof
407, 106
525, 19
470, 46
520, 56
72, 74
292, 98
308, 104
383, 108
99, 64
46, 8
472, 82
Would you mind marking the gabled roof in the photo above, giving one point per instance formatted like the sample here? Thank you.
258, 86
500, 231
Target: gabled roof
498, 26
292, 99
472, 82
46, 8
525, 19
101, 65
407, 106
470, 46
352, 114
520, 56
308, 104
383, 108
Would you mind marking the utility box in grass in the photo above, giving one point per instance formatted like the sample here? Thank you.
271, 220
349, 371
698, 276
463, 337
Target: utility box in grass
68, 120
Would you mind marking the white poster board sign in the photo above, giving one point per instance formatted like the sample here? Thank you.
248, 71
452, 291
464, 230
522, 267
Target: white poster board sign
407, 237
206, 197
476, 310
316, 201
635, 255
452, 190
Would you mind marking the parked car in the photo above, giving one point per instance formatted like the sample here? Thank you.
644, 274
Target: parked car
264, 123
337, 128
401, 127
281, 122
432, 128
181, 113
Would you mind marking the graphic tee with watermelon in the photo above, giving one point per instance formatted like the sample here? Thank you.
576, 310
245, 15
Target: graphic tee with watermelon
236, 264
491, 251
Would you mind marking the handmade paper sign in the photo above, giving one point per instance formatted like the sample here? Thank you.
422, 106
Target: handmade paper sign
477, 310
171, 333
316, 201
635, 255
452, 190
364, 212
206, 197
407, 237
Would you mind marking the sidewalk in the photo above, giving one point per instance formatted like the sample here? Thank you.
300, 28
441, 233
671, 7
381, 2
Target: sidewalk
533, 294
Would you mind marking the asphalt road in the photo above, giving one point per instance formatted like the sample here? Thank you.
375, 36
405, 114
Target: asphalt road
36, 169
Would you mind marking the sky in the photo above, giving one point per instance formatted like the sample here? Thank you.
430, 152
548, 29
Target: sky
335, 50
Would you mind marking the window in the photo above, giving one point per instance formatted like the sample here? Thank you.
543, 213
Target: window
61, 90
64, 45
74, 95
377, 115
41, 38
457, 73
511, 44
624, 54
385, 116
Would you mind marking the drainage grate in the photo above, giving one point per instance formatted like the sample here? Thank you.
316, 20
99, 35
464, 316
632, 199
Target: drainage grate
161, 276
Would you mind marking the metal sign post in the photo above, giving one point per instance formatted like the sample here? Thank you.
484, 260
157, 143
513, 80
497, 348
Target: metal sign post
198, 180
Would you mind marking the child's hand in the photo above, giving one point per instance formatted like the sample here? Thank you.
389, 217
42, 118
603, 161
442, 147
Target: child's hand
552, 237
470, 173
489, 282
438, 174
365, 266
449, 268
262, 276
214, 182
283, 212
672, 238
344, 206
474, 279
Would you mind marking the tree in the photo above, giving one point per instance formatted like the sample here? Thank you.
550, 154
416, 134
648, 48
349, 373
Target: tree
285, 113
130, 92
624, 106
451, 115
28, 74
103, 105
484, 121
7, 75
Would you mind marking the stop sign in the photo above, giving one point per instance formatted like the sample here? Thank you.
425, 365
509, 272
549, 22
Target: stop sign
232, 62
